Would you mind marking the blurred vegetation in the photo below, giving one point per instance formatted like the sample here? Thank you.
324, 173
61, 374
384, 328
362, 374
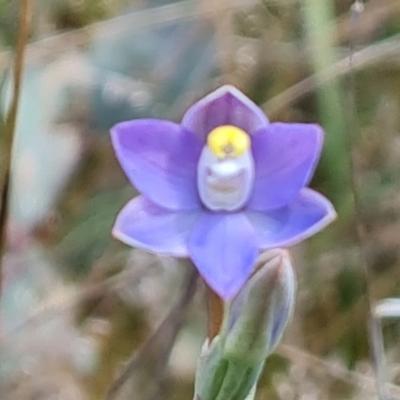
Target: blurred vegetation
76, 304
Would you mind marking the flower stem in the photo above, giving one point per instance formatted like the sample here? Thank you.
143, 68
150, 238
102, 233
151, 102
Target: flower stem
25, 14
215, 313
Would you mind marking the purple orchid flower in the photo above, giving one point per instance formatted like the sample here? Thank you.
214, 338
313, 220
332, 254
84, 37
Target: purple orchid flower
220, 186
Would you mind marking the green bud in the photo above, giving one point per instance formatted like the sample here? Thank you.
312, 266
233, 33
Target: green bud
262, 309
229, 366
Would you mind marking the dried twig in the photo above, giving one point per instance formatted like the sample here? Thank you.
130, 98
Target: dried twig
361, 59
25, 16
51, 48
159, 344
69, 304
311, 361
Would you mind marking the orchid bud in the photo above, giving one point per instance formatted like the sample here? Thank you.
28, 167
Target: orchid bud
260, 312
229, 366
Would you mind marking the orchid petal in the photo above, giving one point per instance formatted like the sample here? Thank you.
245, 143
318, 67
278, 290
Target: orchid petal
160, 159
143, 224
225, 106
223, 247
285, 157
306, 215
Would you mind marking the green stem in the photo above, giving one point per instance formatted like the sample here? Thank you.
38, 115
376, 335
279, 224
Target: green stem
319, 26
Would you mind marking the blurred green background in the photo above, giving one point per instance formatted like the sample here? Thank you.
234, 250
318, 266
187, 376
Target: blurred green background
76, 304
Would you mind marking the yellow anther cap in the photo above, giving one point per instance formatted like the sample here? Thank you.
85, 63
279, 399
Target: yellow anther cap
228, 141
